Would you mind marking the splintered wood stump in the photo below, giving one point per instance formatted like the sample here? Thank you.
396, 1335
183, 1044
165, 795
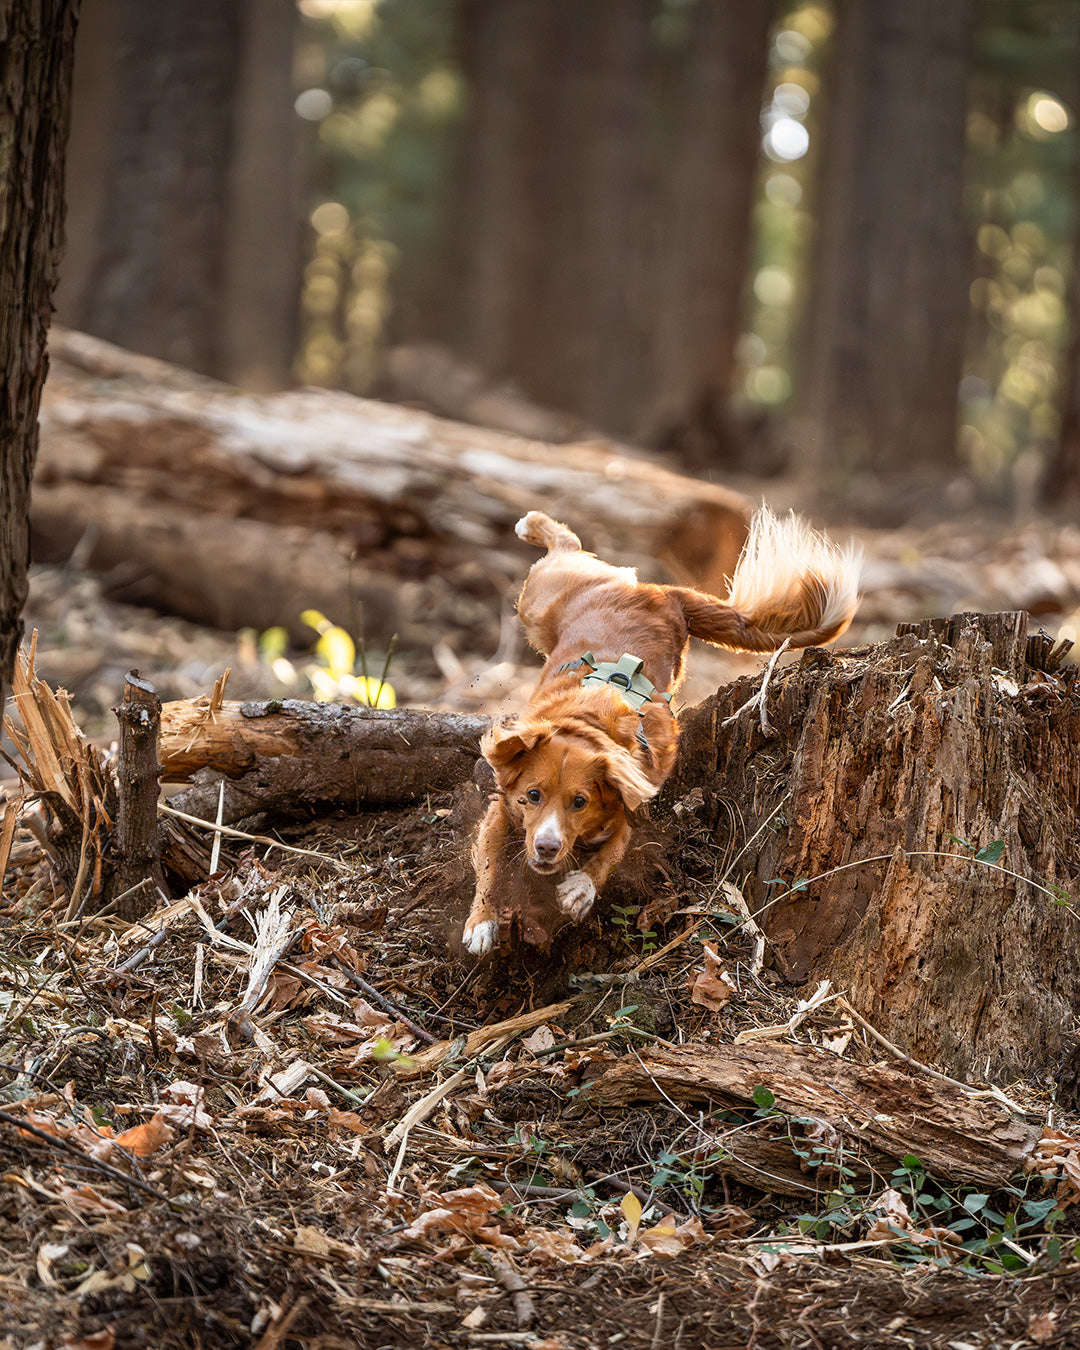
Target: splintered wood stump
136, 874
856, 830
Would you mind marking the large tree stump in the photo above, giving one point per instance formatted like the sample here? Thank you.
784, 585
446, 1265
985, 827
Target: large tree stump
859, 821
908, 828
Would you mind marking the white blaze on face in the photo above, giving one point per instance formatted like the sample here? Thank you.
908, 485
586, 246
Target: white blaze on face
548, 835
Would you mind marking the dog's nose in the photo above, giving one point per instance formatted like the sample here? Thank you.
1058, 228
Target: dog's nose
547, 850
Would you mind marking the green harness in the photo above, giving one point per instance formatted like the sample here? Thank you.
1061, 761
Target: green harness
625, 675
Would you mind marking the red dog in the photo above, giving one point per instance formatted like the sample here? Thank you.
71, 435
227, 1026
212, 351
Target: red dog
597, 739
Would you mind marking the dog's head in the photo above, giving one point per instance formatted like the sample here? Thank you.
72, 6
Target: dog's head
568, 789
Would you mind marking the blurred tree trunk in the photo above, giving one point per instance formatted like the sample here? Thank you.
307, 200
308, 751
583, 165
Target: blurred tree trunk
1061, 482
885, 337
37, 42
183, 185
602, 220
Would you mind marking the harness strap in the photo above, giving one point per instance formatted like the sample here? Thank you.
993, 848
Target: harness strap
626, 677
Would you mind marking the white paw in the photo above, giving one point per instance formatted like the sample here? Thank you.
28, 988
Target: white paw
479, 938
576, 895
523, 529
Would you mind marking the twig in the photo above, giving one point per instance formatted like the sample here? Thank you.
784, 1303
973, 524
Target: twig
994, 1093
56, 1142
511, 1281
420, 1110
659, 1320
263, 839
277, 1331
758, 700
344, 1091
215, 848
383, 1001
7, 834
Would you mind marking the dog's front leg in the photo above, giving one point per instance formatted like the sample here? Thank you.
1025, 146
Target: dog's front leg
482, 926
577, 891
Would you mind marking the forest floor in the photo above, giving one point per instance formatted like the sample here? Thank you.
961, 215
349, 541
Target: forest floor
388, 1145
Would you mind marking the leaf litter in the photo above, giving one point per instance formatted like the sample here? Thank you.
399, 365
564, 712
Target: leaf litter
219, 1126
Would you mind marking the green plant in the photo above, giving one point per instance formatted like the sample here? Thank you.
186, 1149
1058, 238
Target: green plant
643, 942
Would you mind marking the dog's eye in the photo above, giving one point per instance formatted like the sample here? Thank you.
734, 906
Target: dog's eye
579, 801
533, 795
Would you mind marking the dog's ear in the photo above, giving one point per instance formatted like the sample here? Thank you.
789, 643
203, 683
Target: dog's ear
506, 741
626, 776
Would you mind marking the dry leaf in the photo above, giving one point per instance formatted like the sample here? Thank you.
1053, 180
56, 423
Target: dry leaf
543, 1038
712, 987
345, 1120
1043, 1327
465, 1212
312, 1240
147, 1138
668, 1240
85, 1200
104, 1339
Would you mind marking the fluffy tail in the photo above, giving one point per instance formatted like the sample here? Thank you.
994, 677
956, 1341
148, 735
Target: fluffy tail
791, 583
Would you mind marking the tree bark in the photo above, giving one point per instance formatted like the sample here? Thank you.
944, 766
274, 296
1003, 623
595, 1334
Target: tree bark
37, 42
293, 756
867, 832
236, 510
184, 185
885, 328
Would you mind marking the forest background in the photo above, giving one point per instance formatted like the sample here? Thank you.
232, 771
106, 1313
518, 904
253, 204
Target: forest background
837, 241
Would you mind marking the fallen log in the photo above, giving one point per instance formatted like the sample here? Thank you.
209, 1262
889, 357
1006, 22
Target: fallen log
236, 510
288, 757
829, 1112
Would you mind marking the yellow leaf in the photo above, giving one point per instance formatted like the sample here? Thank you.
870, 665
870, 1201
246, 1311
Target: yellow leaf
631, 1212
336, 648
368, 690
273, 642
315, 620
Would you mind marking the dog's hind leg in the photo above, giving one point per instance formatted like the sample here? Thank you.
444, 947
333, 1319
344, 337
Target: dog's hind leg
541, 530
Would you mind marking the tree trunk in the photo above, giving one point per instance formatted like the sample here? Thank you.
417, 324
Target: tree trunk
885, 328
184, 202
235, 510
1061, 480
705, 241
601, 224
37, 39
868, 831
